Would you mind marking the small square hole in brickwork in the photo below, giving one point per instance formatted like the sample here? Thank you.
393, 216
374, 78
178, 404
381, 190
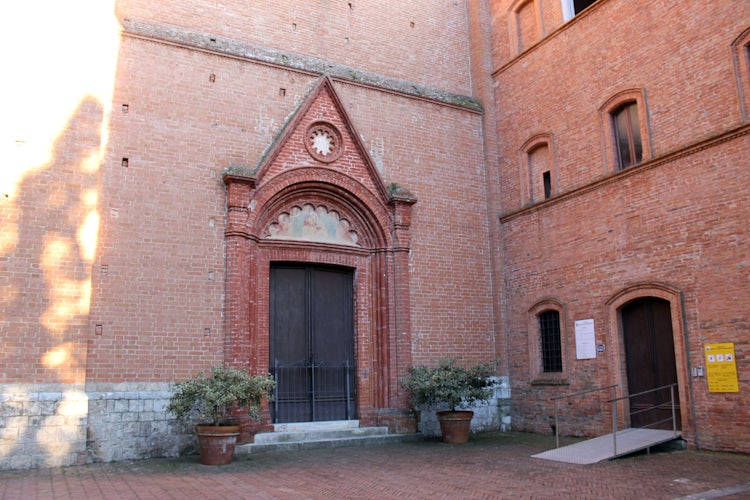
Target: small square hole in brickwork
411, 24
125, 162
282, 92
212, 78
125, 108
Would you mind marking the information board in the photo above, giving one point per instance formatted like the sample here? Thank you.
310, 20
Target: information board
585, 339
721, 368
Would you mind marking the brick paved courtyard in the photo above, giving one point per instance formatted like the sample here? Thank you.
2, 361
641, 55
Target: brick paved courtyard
490, 466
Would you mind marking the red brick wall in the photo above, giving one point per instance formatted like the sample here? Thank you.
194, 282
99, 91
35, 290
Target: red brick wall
158, 277
49, 238
163, 216
420, 41
677, 222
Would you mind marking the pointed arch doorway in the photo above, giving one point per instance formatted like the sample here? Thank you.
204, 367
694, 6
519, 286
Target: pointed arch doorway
312, 343
650, 362
317, 201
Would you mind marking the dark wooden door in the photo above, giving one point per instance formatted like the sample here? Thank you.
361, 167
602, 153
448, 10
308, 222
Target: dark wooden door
649, 349
312, 343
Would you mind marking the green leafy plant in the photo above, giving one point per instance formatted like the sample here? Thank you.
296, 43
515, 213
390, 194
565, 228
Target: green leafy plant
211, 399
449, 384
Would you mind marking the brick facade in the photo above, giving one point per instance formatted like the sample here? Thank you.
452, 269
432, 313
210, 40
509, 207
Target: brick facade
670, 227
137, 219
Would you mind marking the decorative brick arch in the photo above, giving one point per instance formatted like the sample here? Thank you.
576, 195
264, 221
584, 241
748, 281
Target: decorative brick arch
369, 215
353, 220
617, 347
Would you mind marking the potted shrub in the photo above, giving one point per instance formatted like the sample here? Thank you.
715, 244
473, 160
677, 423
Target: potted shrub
210, 401
450, 387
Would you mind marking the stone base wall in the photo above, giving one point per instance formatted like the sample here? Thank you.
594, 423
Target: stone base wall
492, 415
130, 421
55, 425
42, 425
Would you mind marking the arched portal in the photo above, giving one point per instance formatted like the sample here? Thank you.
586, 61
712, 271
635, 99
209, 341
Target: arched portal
312, 218
317, 227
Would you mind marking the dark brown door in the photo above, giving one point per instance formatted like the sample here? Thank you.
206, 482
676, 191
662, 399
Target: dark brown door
312, 343
649, 349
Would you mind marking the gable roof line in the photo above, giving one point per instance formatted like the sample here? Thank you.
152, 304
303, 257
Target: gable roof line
274, 147
291, 124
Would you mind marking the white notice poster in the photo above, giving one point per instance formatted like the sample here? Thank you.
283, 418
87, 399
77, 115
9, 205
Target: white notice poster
585, 339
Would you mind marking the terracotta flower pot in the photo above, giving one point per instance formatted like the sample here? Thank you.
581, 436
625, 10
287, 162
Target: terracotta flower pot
455, 425
216, 443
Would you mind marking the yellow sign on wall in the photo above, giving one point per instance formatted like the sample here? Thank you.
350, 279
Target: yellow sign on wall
721, 368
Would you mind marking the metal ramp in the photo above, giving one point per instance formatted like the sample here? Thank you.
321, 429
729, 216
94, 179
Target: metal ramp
609, 446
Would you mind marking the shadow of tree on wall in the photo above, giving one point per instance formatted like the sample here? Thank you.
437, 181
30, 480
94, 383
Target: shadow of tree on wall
46, 294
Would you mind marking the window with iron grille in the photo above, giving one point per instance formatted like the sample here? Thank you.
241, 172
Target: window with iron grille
549, 329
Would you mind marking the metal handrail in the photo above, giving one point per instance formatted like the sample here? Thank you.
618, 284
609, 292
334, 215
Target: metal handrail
614, 411
566, 396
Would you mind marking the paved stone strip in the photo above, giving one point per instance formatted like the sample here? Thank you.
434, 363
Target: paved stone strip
493, 465
720, 493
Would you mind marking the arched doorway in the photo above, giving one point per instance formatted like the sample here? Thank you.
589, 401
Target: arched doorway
650, 362
311, 229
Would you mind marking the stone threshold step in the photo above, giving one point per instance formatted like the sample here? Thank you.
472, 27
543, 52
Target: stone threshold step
308, 444
318, 435
308, 426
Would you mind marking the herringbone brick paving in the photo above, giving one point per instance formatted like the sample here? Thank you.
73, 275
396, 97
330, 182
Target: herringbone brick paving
492, 465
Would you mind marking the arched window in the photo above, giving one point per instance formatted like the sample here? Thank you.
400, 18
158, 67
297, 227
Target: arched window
741, 56
546, 333
625, 130
551, 344
628, 135
538, 176
526, 24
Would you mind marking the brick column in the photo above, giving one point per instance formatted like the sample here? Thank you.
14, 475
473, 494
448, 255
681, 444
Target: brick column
399, 321
237, 340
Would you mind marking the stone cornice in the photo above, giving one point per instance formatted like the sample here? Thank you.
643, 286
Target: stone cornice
227, 47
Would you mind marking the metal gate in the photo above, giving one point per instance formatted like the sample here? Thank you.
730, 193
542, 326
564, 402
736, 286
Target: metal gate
311, 392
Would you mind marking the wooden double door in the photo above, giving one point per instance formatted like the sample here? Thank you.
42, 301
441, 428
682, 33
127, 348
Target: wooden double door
650, 358
312, 343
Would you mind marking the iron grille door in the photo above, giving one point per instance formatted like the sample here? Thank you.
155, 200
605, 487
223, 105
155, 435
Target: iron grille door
312, 344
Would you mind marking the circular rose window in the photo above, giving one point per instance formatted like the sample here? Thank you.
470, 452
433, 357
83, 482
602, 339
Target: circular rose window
323, 142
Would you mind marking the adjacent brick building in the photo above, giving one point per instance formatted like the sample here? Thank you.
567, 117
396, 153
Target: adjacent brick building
478, 177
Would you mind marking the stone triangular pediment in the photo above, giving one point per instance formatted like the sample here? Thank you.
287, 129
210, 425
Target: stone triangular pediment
320, 135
